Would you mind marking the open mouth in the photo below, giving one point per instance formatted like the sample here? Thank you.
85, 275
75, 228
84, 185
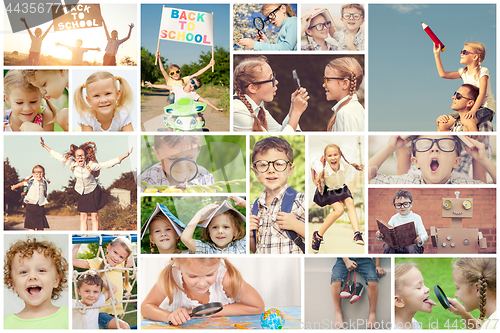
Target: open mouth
164, 240
434, 165
429, 301
34, 290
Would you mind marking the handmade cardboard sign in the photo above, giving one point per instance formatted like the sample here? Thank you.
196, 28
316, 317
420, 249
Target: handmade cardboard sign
81, 16
186, 26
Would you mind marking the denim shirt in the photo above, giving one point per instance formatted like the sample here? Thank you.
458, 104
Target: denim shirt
286, 40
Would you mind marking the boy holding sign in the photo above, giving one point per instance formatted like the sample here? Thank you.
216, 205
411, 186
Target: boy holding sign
109, 58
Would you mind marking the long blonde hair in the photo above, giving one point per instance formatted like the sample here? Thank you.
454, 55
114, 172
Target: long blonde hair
482, 271
125, 100
349, 68
480, 51
248, 71
399, 271
168, 286
125, 244
358, 167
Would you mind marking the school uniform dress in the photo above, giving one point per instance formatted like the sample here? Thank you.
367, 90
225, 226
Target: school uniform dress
349, 118
91, 198
35, 199
336, 189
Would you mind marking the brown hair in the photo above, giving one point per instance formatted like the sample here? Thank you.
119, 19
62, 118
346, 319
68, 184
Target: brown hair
168, 286
358, 167
158, 217
350, 69
177, 140
309, 37
89, 148
481, 271
473, 90
91, 278
125, 244
249, 70
273, 142
480, 51
26, 249
239, 229
402, 194
43, 177
125, 100
399, 271
355, 6
289, 9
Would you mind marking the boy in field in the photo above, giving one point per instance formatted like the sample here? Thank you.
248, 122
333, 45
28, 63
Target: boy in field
435, 155
36, 43
273, 230
403, 201
77, 52
109, 58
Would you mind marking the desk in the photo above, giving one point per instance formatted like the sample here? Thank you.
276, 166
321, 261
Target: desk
292, 321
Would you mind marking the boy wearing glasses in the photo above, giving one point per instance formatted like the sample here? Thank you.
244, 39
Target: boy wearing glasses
273, 230
435, 156
351, 37
403, 201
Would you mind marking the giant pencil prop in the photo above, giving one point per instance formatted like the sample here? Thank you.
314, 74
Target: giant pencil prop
433, 36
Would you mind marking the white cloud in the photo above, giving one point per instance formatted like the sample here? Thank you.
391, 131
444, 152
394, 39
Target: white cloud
406, 9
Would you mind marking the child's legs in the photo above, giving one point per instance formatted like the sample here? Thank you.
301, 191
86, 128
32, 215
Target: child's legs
123, 325
171, 98
413, 249
388, 249
332, 217
107, 321
339, 276
83, 221
351, 213
368, 271
484, 114
95, 221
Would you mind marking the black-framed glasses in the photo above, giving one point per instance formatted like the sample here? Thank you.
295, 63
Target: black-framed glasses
458, 96
79, 156
355, 16
406, 204
326, 78
279, 165
446, 145
195, 86
273, 80
38, 172
272, 15
465, 52
321, 26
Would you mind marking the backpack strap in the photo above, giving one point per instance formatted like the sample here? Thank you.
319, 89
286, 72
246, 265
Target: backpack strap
30, 182
286, 206
255, 211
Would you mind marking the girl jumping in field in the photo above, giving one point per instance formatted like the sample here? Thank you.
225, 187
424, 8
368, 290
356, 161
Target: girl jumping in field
83, 163
106, 106
473, 73
119, 256
343, 77
255, 83
329, 175
188, 282
24, 100
35, 199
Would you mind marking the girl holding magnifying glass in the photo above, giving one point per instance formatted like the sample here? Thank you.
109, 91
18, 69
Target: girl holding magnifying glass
254, 83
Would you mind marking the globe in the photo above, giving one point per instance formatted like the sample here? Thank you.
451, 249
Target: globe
272, 319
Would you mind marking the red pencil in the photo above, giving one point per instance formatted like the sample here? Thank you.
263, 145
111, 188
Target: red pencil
433, 36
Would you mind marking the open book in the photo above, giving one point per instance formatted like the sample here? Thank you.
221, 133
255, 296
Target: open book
398, 237
162, 209
222, 206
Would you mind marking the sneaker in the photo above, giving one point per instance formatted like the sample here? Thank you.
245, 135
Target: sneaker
347, 290
316, 241
358, 239
358, 290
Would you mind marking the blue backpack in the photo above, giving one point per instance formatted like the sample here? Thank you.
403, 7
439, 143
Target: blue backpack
286, 206
30, 183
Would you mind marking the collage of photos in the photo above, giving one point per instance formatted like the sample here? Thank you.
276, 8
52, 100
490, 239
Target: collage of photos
249, 147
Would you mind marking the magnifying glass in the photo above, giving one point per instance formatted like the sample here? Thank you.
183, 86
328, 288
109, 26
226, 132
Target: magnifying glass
441, 297
205, 310
258, 23
183, 170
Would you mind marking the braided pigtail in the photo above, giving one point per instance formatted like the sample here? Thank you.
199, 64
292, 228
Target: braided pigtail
358, 167
483, 286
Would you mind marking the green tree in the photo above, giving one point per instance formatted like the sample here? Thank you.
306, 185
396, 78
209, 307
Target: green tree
127, 181
221, 73
10, 177
149, 71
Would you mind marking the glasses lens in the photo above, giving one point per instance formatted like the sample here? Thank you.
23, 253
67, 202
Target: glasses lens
458, 96
347, 16
38, 172
404, 204
261, 166
79, 156
280, 165
446, 145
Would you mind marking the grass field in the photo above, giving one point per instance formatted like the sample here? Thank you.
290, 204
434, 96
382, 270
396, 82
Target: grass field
437, 271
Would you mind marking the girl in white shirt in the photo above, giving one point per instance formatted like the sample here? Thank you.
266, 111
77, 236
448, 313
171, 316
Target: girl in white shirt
35, 199
84, 165
329, 175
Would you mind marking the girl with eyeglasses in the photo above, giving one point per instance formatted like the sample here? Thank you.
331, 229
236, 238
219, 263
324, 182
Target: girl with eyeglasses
472, 56
283, 17
174, 76
254, 83
83, 163
318, 25
329, 176
343, 77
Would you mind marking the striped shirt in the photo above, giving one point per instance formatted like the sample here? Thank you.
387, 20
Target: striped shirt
236, 247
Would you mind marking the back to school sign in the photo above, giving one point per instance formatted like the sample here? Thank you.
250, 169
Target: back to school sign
186, 26
81, 16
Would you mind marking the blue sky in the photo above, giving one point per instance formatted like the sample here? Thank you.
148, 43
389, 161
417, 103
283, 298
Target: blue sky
177, 52
405, 90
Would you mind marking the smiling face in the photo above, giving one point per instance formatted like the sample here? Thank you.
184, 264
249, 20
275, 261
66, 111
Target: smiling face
466, 293
163, 235
89, 293
197, 278
271, 179
38, 173
335, 89
221, 230
177, 72
103, 96
116, 255
402, 210
51, 83
332, 157
25, 104
182, 170
436, 166
277, 17
34, 279
413, 295
468, 59
351, 24
314, 32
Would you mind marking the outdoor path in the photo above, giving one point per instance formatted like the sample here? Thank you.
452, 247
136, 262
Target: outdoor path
55, 223
152, 114
337, 239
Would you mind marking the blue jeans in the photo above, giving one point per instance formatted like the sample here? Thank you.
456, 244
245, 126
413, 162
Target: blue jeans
104, 319
365, 267
171, 98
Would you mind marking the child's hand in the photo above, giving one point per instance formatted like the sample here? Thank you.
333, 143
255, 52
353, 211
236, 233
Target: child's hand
247, 42
207, 209
157, 54
299, 100
380, 271
131, 26
470, 115
378, 234
130, 151
478, 152
149, 84
98, 49
261, 37
286, 221
350, 265
417, 240
28, 126
456, 308
396, 142
238, 201
437, 50
349, 42
218, 109
23, 19
179, 316
254, 222
211, 63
